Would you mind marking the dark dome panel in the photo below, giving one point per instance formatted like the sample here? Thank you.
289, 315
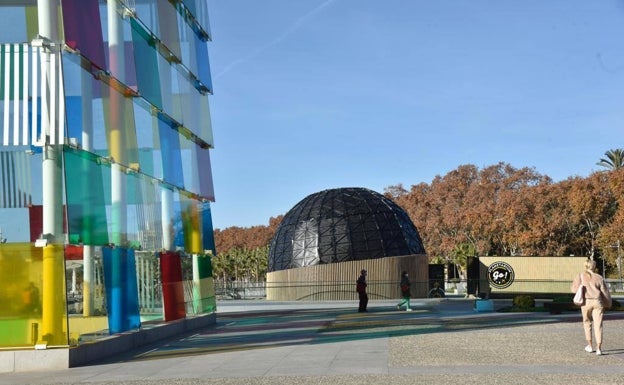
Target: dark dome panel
339, 225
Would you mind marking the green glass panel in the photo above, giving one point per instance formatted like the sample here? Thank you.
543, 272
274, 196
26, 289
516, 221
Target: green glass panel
32, 22
146, 59
86, 197
171, 154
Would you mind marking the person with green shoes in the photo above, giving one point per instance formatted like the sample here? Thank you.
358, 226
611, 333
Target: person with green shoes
405, 291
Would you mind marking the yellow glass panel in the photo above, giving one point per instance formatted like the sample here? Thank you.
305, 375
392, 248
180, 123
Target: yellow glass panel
21, 274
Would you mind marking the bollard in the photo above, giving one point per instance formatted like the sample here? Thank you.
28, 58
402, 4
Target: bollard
34, 333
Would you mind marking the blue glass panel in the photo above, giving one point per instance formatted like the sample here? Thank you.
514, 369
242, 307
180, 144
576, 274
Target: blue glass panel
36, 149
207, 229
190, 5
203, 64
201, 14
171, 156
178, 225
122, 299
73, 109
19, 31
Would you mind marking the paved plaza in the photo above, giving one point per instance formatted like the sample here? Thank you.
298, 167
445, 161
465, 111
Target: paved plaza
443, 341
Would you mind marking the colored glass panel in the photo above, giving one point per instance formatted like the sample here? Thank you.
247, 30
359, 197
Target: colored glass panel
32, 23
178, 227
75, 95
20, 294
203, 64
83, 30
85, 196
149, 230
171, 156
168, 27
145, 123
208, 300
191, 6
148, 14
122, 301
183, 98
73, 106
146, 59
200, 296
172, 286
53, 329
207, 229
192, 227
189, 53
204, 173
32, 286
120, 130
22, 21
176, 88
198, 179
202, 16
205, 120
195, 110
144, 227
166, 85
123, 67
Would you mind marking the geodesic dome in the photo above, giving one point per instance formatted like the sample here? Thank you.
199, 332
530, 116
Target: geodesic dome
343, 224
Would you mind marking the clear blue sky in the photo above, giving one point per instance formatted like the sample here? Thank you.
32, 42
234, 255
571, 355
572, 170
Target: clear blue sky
318, 94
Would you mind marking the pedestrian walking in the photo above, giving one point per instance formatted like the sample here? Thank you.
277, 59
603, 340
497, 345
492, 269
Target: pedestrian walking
405, 285
360, 287
597, 299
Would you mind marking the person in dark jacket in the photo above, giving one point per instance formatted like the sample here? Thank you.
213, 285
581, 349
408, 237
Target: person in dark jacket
360, 287
405, 291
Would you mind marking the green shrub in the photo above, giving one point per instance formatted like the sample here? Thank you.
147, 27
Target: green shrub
564, 298
524, 301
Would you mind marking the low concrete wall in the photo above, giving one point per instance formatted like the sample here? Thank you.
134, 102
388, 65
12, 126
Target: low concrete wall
336, 281
63, 358
547, 275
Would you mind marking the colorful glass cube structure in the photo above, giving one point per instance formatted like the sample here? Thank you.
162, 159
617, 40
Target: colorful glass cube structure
105, 168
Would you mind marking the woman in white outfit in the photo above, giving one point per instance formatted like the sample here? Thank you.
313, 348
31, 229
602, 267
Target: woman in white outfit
597, 298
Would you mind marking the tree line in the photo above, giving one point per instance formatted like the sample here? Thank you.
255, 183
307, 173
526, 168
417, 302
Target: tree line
495, 210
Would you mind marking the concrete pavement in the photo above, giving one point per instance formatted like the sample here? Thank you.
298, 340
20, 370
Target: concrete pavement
441, 341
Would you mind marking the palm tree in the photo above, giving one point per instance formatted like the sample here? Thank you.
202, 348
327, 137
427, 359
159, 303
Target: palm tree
614, 159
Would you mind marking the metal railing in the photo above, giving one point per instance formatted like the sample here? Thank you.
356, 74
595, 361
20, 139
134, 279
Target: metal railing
327, 290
